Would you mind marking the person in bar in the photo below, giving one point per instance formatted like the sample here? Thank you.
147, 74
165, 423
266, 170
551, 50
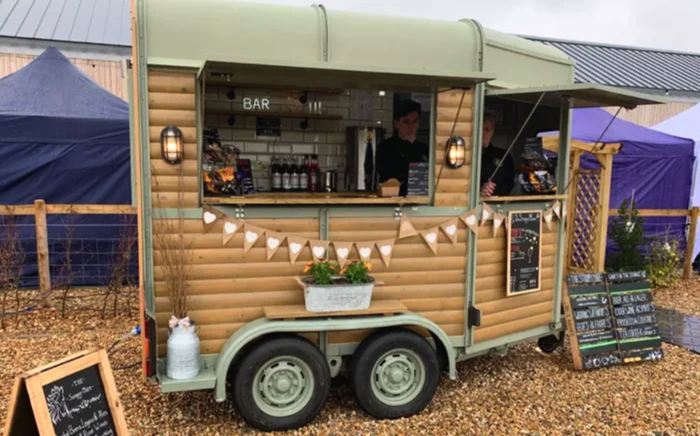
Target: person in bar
503, 181
395, 153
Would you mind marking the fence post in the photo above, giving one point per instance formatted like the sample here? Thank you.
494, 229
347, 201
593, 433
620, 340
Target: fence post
42, 251
688, 265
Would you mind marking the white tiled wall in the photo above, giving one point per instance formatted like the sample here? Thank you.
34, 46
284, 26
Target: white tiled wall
323, 137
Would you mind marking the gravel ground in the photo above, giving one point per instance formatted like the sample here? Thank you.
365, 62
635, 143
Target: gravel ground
524, 393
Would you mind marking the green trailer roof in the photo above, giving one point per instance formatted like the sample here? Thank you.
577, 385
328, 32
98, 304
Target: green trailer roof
220, 32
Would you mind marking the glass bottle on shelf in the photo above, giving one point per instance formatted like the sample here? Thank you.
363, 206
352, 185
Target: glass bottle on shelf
304, 174
294, 175
286, 177
276, 174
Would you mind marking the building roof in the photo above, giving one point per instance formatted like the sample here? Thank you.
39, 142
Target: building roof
631, 67
103, 22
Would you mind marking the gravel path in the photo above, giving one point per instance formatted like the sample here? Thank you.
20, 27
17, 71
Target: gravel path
524, 393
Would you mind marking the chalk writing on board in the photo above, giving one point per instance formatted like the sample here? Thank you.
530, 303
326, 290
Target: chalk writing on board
589, 301
601, 361
634, 309
594, 337
581, 279
631, 298
599, 324
635, 321
638, 332
524, 251
594, 312
629, 275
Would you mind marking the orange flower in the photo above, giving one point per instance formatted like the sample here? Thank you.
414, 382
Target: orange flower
307, 268
368, 266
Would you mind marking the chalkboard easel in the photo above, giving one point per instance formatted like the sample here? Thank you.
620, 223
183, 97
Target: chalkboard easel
59, 398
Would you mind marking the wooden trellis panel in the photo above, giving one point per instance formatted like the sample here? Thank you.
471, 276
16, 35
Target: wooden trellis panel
585, 218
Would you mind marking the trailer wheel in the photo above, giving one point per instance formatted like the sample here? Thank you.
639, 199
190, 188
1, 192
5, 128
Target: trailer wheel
549, 344
281, 384
394, 374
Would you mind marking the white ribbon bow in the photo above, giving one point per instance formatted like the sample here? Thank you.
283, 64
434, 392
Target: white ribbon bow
176, 322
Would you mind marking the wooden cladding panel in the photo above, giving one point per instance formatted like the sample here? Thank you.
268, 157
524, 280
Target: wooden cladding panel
229, 287
502, 315
450, 119
171, 101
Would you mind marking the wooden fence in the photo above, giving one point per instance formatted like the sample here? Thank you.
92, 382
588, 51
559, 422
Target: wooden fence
40, 210
673, 213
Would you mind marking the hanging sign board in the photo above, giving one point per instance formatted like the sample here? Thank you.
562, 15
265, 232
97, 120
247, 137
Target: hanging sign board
524, 253
418, 179
74, 396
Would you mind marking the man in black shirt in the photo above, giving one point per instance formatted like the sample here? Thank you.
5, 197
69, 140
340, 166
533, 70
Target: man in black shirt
395, 153
502, 182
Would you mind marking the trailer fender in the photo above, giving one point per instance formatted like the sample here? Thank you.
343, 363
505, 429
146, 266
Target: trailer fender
263, 326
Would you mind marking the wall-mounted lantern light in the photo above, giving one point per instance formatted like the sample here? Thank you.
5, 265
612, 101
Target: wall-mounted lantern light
172, 145
455, 152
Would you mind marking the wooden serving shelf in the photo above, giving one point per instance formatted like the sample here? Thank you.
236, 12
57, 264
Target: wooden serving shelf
315, 198
504, 199
383, 307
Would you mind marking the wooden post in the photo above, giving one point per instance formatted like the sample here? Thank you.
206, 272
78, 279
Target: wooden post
571, 207
688, 265
42, 251
604, 201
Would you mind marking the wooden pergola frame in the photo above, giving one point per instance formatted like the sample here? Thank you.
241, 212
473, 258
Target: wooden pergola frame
603, 153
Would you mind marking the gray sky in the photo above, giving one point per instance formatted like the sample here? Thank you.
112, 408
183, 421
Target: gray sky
664, 24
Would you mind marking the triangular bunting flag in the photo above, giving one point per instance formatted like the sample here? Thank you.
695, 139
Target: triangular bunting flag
557, 208
273, 242
251, 236
295, 245
450, 229
364, 249
470, 220
342, 252
486, 213
498, 220
431, 238
548, 216
209, 217
406, 229
231, 227
386, 249
319, 249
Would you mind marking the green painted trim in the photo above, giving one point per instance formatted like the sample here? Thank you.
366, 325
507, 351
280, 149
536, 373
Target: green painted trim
132, 146
199, 93
636, 291
513, 339
147, 208
165, 64
324, 221
472, 248
602, 344
560, 261
587, 295
206, 379
640, 339
336, 212
262, 326
432, 146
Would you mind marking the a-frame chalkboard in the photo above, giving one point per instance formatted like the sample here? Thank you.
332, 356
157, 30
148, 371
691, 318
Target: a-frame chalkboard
76, 395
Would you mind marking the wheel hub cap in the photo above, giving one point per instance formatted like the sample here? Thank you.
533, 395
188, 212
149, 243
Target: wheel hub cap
398, 377
283, 386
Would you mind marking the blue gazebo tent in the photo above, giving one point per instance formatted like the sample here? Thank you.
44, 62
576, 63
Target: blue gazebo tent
64, 139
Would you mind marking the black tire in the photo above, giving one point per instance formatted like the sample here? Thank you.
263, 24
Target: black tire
371, 352
255, 407
549, 344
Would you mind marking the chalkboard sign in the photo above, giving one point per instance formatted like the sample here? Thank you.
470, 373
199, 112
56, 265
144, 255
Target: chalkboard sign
71, 397
524, 254
613, 320
268, 127
418, 179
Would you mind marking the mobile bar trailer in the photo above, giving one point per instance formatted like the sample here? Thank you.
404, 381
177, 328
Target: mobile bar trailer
444, 294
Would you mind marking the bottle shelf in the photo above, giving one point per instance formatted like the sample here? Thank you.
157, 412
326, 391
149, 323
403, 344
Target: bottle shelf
299, 115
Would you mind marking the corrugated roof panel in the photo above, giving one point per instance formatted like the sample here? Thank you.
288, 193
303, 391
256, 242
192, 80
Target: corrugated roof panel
50, 21
17, 16
69, 14
113, 26
6, 7
98, 22
33, 19
631, 66
81, 26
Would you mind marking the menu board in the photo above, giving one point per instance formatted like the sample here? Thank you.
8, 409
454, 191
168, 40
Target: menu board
612, 318
524, 252
75, 396
418, 179
268, 127
78, 403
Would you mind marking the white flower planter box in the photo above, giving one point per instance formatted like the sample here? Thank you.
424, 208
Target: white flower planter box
337, 297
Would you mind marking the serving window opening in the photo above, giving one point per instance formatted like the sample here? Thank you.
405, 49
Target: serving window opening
283, 144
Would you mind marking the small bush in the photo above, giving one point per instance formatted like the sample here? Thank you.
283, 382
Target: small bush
357, 272
627, 232
664, 265
322, 271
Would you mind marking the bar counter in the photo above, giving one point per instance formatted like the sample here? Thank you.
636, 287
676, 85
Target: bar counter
315, 198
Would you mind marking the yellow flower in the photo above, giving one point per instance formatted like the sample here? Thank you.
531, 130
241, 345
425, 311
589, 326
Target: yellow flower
307, 268
368, 266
